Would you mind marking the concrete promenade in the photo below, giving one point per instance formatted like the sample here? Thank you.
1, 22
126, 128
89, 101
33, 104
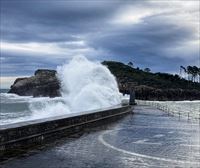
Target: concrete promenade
147, 138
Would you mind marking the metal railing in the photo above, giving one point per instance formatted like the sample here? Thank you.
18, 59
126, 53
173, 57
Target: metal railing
191, 114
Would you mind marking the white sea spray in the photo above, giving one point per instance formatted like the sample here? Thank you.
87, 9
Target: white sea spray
85, 85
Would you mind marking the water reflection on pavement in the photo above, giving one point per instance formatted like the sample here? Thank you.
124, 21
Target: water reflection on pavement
149, 138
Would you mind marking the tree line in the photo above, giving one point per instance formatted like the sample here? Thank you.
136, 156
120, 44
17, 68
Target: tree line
191, 73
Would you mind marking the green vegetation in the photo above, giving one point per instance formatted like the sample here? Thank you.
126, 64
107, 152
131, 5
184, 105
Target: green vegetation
126, 73
192, 73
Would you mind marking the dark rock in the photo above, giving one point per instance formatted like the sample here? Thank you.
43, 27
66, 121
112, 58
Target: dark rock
150, 93
45, 72
18, 79
43, 83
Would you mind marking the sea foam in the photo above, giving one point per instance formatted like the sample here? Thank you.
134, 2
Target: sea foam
85, 85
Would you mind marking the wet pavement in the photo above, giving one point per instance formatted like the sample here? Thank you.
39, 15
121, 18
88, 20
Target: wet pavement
148, 138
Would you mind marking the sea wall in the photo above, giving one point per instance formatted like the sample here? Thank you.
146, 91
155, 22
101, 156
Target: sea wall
18, 138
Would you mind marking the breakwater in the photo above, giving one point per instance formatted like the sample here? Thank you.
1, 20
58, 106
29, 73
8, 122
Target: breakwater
18, 138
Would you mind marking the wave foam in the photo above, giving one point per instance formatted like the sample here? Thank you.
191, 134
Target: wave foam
85, 85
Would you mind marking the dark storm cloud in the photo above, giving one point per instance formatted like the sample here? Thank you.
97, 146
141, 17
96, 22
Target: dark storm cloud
52, 20
96, 26
145, 43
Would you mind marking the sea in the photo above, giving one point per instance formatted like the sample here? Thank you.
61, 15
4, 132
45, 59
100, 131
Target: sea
14, 108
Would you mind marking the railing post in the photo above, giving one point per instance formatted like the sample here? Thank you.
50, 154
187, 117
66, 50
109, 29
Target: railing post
132, 97
131, 86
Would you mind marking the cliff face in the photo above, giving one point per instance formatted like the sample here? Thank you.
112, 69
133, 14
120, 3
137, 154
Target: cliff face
43, 83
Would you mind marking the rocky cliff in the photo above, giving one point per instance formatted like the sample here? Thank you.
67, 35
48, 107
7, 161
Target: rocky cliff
43, 83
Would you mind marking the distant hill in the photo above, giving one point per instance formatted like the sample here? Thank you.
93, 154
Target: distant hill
156, 86
147, 85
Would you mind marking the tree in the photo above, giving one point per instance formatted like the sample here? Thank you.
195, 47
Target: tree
182, 68
130, 64
190, 72
195, 71
147, 70
199, 74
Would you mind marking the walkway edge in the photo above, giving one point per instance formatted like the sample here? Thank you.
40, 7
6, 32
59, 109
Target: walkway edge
22, 137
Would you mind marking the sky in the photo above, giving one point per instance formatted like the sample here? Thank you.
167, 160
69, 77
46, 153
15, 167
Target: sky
159, 34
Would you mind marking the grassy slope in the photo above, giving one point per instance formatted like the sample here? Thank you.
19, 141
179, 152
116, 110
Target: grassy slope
126, 73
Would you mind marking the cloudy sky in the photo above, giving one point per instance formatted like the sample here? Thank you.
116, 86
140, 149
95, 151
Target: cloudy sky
159, 34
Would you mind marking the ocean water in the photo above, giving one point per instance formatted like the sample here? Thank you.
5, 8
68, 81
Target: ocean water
85, 86
14, 108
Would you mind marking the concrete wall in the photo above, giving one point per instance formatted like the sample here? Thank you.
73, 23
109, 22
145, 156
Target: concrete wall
19, 137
